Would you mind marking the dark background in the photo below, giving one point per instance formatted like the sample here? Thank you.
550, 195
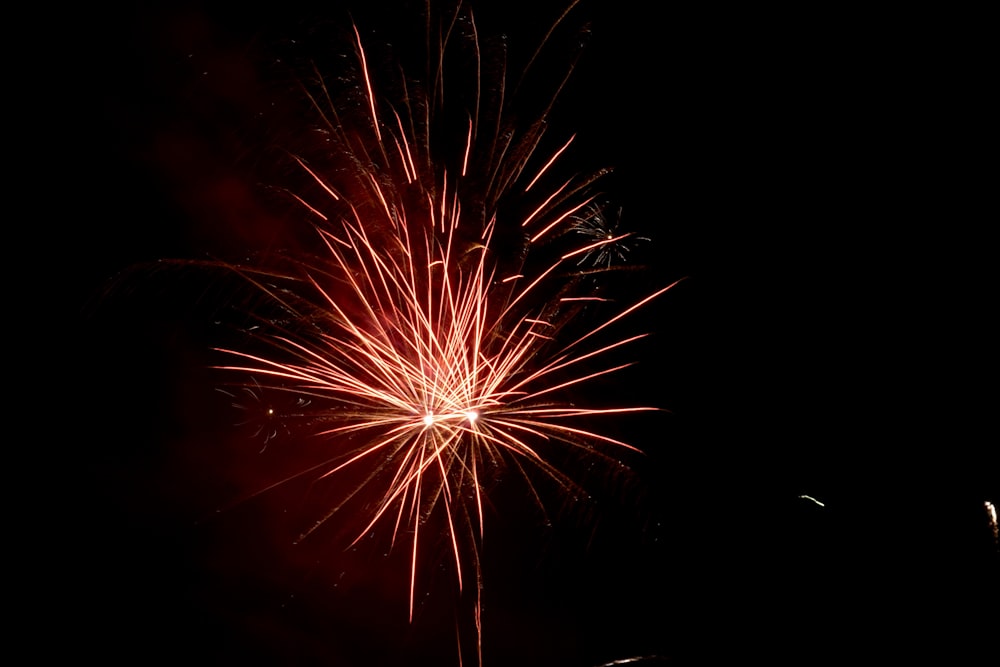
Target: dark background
820, 178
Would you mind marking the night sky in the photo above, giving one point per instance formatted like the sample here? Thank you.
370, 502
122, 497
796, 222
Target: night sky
813, 491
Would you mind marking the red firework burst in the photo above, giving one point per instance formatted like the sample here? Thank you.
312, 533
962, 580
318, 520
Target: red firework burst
439, 322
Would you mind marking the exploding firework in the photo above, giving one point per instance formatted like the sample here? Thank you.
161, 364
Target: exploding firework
612, 246
445, 319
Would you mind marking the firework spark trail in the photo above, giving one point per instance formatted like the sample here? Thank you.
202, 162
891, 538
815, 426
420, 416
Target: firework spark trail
430, 349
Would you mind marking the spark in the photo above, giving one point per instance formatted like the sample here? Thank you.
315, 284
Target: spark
629, 661
812, 500
991, 515
411, 333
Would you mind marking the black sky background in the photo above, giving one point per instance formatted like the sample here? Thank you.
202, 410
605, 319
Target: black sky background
821, 179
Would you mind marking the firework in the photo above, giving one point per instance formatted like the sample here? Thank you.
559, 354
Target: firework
442, 324
613, 245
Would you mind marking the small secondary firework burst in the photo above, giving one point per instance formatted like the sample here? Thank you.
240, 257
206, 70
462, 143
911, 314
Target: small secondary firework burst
443, 325
613, 245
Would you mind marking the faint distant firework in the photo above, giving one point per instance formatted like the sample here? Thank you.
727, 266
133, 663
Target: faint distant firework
614, 247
